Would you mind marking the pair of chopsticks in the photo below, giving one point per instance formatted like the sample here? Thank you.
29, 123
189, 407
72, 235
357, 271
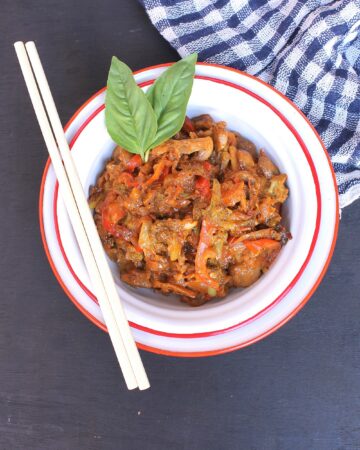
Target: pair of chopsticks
81, 217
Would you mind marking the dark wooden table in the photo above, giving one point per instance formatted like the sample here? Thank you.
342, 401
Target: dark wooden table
60, 386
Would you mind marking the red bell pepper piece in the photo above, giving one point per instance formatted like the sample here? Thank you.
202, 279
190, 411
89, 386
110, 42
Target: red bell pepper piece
134, 162
111, 214
202, 186
188, 125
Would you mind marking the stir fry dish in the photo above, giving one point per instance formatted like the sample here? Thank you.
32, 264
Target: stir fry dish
200, 216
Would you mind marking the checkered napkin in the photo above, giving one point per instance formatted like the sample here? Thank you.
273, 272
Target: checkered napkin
307, 49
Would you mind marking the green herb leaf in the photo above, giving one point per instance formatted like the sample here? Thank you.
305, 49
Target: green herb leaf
169, 96
129, 116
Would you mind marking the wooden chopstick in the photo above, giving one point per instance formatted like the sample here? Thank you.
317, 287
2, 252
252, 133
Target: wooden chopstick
81, 218
109, 302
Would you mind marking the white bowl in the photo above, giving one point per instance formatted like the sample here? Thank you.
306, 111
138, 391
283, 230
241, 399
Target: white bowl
261, 120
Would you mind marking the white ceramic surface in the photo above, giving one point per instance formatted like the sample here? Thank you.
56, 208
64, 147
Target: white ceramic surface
93, 147
259, 123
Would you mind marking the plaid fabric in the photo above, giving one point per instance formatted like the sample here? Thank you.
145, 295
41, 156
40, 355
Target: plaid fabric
307, 49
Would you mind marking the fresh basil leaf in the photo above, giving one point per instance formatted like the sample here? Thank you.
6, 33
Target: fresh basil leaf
129, 116
169, 96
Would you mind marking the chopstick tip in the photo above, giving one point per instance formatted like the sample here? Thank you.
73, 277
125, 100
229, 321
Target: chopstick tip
30, 44
18, 44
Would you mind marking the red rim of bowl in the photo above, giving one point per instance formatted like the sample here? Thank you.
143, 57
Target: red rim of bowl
279, 297
212, 352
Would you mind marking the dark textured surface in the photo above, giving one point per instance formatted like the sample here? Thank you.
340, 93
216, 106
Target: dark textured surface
60, 387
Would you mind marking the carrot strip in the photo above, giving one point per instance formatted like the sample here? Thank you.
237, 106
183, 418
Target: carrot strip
159, 169
204, 252
262, 244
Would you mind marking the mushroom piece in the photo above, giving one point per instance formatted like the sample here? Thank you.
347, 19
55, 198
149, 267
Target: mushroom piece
244, 275
267, 167
203, 145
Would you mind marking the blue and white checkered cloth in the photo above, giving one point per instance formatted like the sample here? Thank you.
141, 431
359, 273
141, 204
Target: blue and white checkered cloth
307, 49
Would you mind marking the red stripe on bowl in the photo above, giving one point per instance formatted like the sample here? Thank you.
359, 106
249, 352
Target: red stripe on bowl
286, 290
212, 352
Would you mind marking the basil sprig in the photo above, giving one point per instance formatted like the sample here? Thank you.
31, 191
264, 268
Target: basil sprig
129, 116
139, 122
169, 96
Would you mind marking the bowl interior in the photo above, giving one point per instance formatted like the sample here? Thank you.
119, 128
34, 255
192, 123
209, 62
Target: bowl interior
259, 123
